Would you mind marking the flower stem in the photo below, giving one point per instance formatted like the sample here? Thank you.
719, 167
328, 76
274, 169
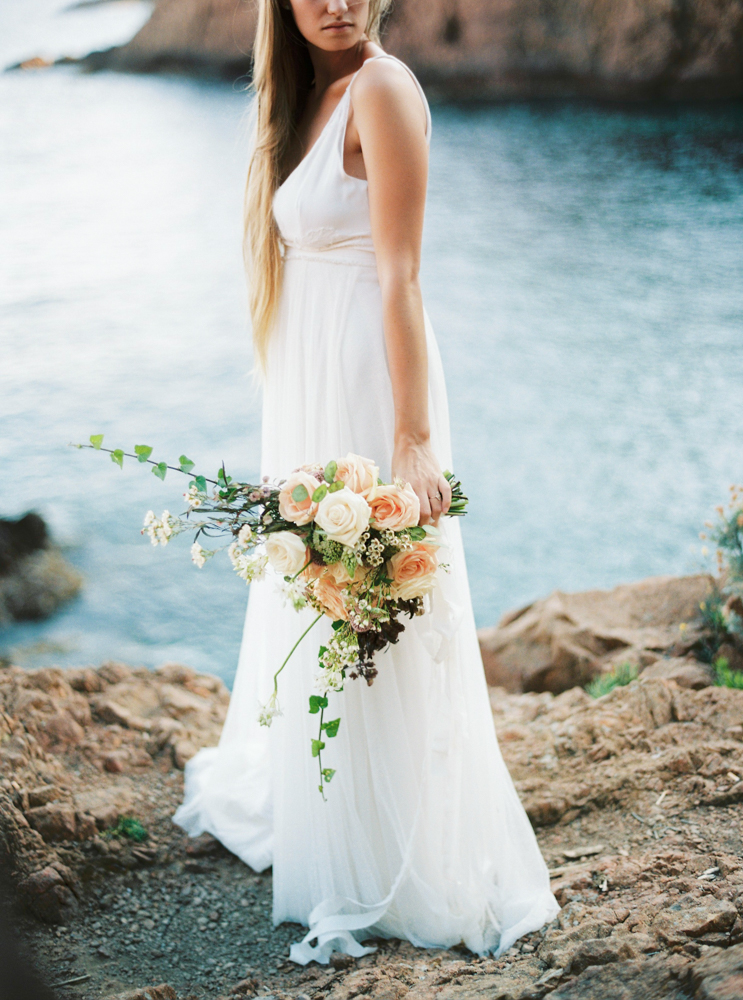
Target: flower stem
276, 675
149, 461
319, 757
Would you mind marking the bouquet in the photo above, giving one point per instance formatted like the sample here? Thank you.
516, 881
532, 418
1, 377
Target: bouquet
343, 543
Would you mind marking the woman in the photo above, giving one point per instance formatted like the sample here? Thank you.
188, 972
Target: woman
422, 835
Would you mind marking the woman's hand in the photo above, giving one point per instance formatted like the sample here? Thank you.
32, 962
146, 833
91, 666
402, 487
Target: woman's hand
415, 463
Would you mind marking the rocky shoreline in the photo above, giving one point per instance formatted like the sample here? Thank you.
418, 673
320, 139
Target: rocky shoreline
636, 798
465, 50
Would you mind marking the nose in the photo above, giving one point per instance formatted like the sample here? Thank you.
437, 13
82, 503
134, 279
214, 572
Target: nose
337, 7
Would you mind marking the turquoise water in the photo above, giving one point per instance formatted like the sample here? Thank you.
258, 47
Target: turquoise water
582, 268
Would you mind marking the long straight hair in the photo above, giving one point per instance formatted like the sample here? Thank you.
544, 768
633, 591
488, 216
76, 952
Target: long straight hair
282, 77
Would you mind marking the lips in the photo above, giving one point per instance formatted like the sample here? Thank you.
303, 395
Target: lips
337, 26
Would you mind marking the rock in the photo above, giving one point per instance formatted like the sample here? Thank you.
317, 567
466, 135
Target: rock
485, 51
161, 992
213, 38
50, 893
687, 673
113, 672
109, 710
180, 702
650, 979
35, 579
202, 845
719, 975
183, 751
42, 795
55, 821
694, 918
565, 640
106, 805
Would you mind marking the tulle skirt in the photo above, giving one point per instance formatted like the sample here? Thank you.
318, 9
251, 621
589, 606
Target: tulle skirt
422, 835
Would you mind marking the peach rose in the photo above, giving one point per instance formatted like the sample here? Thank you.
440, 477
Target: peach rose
343, 516
394, 507
413, 571
359, 474
328, 593
298, 511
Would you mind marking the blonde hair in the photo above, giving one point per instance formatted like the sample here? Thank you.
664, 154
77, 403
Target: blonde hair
282, 77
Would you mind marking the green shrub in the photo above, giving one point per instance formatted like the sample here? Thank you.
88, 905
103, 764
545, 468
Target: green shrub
725, 676
130, 828
621, 675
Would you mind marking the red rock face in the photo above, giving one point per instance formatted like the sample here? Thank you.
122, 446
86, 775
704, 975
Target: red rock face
493, 49
485, 49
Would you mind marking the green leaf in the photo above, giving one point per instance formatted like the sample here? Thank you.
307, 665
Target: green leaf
118, 457
331, 728
317, 746
300, 494
330, 470
186, 464
316, 703
200, 483
320, 492
142, 451
328, 773
417, 533
160, 470
337, 485
337, 625
96, 440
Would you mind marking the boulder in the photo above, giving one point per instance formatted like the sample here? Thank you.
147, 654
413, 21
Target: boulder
685, 671
471, 50
50, 893
55, 821
566, 640
106, 805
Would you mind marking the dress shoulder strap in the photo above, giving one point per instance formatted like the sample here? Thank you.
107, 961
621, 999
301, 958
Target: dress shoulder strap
386, 55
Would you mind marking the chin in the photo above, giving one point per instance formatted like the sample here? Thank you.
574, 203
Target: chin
332, 41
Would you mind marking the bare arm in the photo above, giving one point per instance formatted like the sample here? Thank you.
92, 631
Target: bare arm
390, 120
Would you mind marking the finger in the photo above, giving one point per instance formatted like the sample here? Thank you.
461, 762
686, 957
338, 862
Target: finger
425, 517
445, 491
435, 503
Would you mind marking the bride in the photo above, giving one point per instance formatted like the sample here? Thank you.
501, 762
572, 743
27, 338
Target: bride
422, 835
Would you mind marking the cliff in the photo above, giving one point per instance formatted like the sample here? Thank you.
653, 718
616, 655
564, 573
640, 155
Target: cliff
491, 49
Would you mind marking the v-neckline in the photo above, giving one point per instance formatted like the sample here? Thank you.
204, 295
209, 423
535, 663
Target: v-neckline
325, 127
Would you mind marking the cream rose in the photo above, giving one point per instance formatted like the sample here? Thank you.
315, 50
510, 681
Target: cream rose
286, 552
328, 593
343, 516
413, 571
298, 511
394, 507
359, 474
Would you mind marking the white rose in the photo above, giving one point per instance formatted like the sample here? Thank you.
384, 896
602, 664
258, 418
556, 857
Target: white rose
286, 552
343, 516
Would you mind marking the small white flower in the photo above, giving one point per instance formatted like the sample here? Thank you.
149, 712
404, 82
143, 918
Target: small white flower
249, 567
269, 711
194, 498
160, 530
245, 534
199, 555
294, 594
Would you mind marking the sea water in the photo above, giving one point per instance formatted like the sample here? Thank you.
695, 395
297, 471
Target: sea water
582, 267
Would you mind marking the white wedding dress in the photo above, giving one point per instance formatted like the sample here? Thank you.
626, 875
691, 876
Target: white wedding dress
422, 835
